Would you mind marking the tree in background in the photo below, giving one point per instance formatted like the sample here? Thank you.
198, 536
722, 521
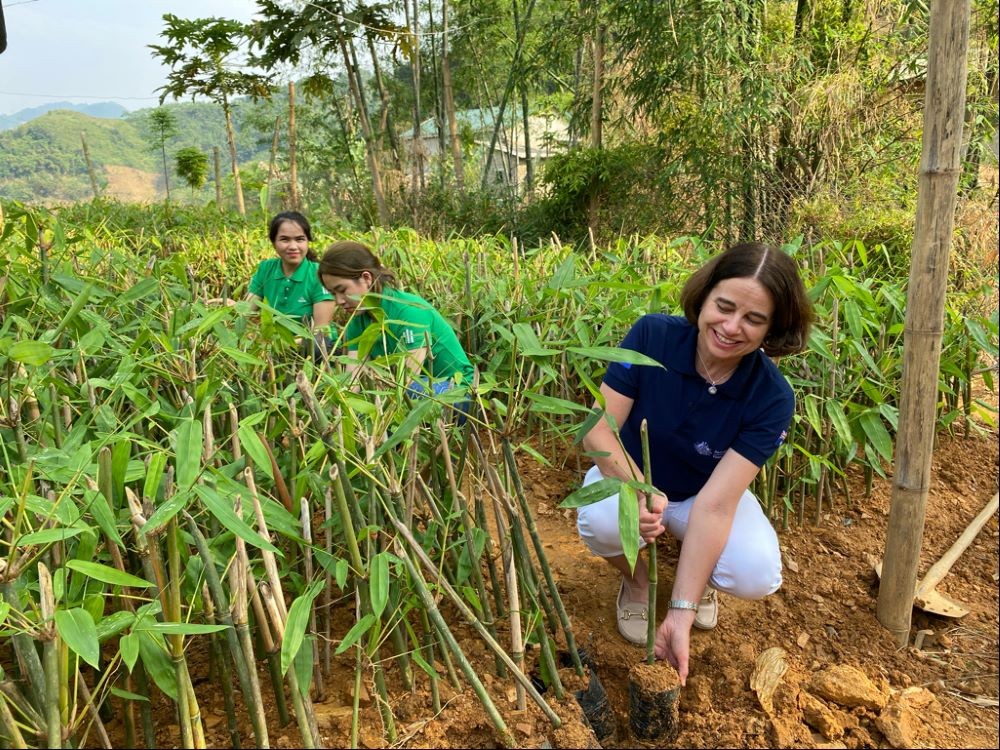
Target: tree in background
204, 58
192, 166
161, 126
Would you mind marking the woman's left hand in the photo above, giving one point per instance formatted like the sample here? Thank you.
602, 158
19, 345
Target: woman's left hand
673, 640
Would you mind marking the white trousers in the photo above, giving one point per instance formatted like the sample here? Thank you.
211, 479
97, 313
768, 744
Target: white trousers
749, 566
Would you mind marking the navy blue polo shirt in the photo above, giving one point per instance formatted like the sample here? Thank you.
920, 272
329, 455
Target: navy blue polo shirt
689, 428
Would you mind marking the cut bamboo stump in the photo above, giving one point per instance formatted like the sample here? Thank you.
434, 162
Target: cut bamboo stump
653, 694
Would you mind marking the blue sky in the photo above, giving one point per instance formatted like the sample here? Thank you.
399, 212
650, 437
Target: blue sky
87, 51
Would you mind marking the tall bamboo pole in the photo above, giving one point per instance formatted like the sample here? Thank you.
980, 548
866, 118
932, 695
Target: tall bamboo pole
293, 168
940, 168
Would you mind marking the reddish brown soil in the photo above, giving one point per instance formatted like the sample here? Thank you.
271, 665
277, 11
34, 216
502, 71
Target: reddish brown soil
823, 617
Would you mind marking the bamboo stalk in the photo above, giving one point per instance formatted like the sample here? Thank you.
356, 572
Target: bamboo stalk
305, 519
309, 740
27, 656
506, 737
88, 701
185, 710
650, 549
466, 612
225, 676
237, 635
50, 651
13, 732
541, 557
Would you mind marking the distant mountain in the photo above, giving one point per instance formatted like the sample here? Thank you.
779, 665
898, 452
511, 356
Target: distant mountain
109, 110
42, 160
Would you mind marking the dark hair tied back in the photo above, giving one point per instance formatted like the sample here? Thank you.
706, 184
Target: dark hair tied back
348, 260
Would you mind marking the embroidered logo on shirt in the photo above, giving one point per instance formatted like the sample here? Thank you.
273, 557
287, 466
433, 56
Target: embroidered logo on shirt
781, 438
408, 336
704, 449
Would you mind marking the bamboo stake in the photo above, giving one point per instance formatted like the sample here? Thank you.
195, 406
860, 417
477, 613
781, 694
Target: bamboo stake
940, 167
27, 656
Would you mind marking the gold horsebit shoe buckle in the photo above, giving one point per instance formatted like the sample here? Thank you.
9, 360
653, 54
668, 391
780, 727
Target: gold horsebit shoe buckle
628, 614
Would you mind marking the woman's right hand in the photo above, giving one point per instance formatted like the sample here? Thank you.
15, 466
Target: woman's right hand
651, 522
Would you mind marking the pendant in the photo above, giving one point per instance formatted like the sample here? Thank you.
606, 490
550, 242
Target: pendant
713, 390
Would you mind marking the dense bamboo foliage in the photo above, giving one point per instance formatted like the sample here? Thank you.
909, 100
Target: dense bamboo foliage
157, 446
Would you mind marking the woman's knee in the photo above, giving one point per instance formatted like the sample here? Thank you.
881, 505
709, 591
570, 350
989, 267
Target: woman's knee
598, 528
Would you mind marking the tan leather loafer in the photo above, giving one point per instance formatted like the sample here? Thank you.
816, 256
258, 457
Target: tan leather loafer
707, 616
632, 619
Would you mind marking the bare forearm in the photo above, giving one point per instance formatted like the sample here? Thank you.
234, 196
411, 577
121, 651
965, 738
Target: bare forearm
611, 458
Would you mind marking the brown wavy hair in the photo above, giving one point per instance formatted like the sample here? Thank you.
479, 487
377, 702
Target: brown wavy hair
349, 259
777, 273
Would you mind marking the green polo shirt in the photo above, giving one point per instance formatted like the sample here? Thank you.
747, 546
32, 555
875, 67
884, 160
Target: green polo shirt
292, 295
404, 321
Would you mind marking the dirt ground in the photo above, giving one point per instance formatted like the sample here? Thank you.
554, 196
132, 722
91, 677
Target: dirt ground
820, 626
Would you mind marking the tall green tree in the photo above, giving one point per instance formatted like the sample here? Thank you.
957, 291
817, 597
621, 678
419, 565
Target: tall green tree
192, 166
161, 126
205, 56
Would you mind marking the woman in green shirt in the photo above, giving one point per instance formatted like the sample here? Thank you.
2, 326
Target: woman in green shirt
406, 323
289, 282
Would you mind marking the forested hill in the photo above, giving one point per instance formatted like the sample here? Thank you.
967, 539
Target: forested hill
110, 110
43, 160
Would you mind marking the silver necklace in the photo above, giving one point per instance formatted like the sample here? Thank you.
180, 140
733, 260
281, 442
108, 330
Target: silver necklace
713, 385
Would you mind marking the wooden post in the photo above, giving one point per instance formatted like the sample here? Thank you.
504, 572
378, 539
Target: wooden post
940, 167
271, 163
90, 166
293, 169
218, 178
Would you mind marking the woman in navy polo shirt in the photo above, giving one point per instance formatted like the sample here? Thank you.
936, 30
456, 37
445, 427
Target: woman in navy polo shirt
716, 411
289, 282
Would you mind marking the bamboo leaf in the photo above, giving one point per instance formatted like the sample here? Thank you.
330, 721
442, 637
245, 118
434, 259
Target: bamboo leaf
835, 411
409, 424
157, 662
254, 447
615, 354
181, 628
157, 465
31, 352
77, 630
113, 624
361, 627
107, 574
379, 583
187, 444
592, 493
128, 646
876, 433
47, 536
225, 514
298, 621
166, 511
126, 695
628, 522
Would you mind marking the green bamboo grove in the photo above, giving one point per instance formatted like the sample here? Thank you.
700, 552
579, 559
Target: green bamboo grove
176, 477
